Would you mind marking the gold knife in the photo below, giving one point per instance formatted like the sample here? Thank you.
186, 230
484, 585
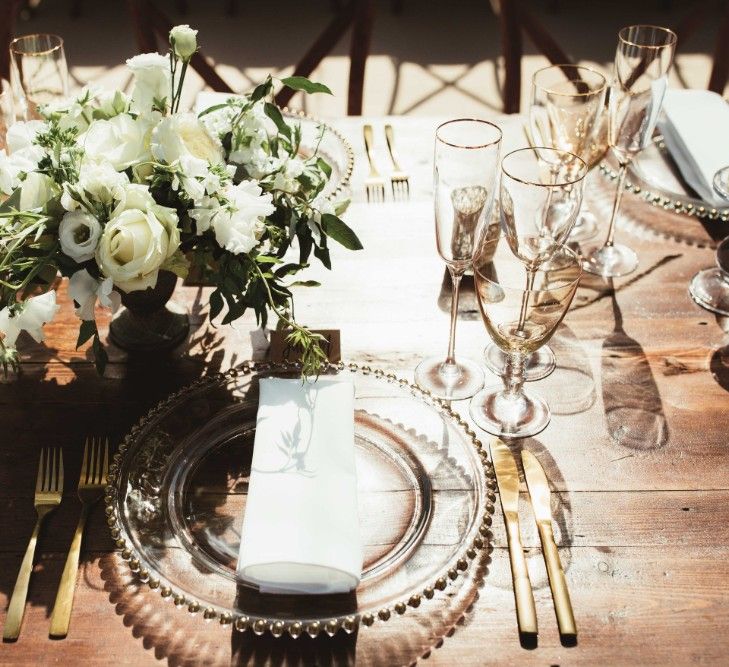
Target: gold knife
540, 496
507, 478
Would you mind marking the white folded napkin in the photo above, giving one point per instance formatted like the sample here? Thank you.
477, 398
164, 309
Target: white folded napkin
300, 529
696, 132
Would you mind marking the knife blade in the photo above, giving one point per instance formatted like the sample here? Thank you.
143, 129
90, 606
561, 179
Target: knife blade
507, 479
540, 496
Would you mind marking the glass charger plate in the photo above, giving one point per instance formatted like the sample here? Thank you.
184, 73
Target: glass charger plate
178, 488
654, 176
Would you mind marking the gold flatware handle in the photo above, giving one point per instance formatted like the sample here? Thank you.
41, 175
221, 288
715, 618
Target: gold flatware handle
61, 615
16, 609
390, 136
557, 581
369, 139
526, 613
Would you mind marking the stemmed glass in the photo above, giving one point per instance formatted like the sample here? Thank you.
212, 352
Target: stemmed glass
39, 72
642, 62
710, 287
465, 168
521, 309
540, 197
566, 113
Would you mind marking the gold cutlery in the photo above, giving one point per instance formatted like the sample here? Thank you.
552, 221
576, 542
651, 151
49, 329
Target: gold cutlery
540, 496
48, 492
374, 183
94, 472
507, 478
399, 180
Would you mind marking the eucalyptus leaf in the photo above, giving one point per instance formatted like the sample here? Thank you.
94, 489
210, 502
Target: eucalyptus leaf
274, 113
336, 229
302, 83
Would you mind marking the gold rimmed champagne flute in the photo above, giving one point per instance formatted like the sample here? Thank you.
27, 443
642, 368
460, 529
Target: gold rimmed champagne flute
38, 71
540, 196
466, 163
521, 308
642, 62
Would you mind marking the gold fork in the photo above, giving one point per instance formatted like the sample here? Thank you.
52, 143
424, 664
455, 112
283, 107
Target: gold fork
399, 179
48, 491
91, 483
374, 183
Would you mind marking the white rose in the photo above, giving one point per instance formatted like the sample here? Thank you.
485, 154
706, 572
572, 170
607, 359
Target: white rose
79, 234
36, 190
151, 81
135, 195
239, 225
183, 135
84, 289
184, 41
122, 141
135, 244
32, 314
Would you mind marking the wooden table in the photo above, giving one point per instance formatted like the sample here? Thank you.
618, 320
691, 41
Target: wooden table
642, 522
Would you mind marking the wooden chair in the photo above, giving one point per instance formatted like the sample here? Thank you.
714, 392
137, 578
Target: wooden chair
358, 15
8, 15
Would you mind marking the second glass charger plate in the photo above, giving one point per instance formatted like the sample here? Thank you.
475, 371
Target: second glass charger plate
178, 485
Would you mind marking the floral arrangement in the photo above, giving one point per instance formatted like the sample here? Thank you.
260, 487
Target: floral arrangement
108, 190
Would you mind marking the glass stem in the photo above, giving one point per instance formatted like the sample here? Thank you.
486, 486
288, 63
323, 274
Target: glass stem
514, 375
531, 273
616, 204
456, 282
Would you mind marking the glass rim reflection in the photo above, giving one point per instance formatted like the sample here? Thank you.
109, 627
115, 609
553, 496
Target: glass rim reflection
537, 150
51, 36
671, 41
576, 263
547, 89
478, 121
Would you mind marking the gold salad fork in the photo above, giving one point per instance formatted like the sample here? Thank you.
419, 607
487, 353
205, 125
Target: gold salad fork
399, 179
93, 478
374, 183
48, 491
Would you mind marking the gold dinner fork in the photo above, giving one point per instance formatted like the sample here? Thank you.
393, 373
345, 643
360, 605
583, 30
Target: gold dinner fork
91, 483
48, 491
374, 183
399, 179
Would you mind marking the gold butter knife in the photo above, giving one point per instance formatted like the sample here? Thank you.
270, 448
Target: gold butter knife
507, 478
540, 496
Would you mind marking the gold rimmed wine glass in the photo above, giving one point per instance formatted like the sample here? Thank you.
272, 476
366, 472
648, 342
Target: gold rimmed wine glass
566, 112
642, 62
521, 308
465, 168
540, 196
39, 72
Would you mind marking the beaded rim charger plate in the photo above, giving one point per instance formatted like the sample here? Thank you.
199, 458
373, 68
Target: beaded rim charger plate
178, 484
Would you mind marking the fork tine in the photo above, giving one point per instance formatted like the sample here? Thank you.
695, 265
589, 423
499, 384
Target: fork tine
84, 460
47, 476
92, 462
60, 470
39, 479
105, 468
54, 470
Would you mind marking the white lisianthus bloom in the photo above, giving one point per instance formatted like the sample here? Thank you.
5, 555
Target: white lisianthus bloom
184, 40
204, 213
84, 289
97, 179
285, 179
73, 112
151, 80
137, 241
32, 314
8, 174
36, 190
122, 141
24, 154
79, 234
240, 224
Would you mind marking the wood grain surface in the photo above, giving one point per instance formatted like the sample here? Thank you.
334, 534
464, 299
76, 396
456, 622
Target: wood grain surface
636, 454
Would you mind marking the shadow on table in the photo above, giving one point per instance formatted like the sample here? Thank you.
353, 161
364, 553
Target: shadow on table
719, 366
633, 407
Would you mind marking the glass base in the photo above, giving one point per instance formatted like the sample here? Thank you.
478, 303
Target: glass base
610, 261
538, 365
710, 289
521, 416
585, 228
452, 382
159, 331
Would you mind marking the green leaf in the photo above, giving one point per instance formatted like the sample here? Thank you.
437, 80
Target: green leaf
305, 283
101, 358
260, 91
267, 259
216, 304
322, 254
11, 203
273, 112
336, 229
86, 331
302, 83
213, 109
325, 167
